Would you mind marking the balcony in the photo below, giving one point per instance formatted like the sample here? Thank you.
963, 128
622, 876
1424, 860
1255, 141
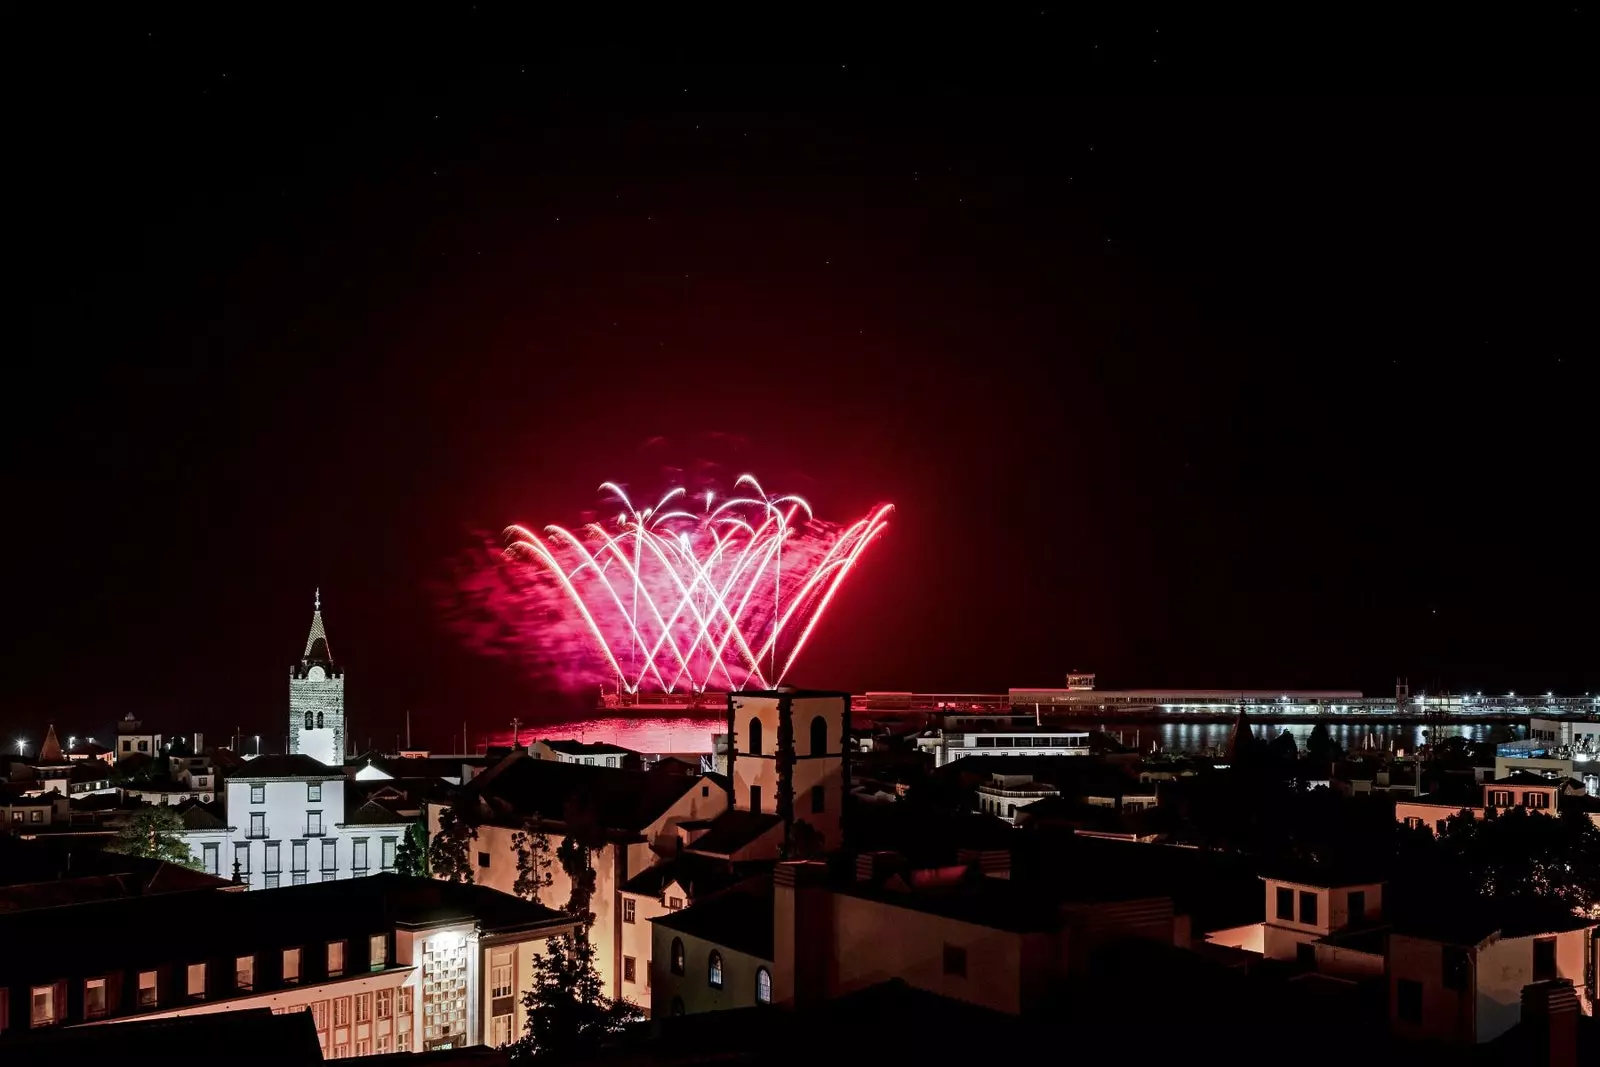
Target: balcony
258, 833
317, 829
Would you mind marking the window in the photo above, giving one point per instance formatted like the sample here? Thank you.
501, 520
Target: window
197, 979
714, 970
611, 761
208, 853
319, 1014
1357, 909
755, 798
241, 856
388, 853
363, 1007
358, 854
44, 1005
1499, 798
244, 972
1544, 959
763, 986
291, 965
955, 960
1286, 904
402, 1040
819, 799
258, 794
500, 1031
1011, 811
313, 824
36, 815
677, 956
630, 970
755, 737
627, 909
1408, 1000
588, 761
363, 1048
819, 736
297, 858
144, 746
258, 824
500, 978
314, 792
127, 746
147, 989
94, 998
483, 859
1531, 799
330, 856
674, 903
385, 1003
402, 1000
1308, 908
341, 1011
378, 951
335, 958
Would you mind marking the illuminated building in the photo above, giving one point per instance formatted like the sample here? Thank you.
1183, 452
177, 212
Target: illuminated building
316, 698
385, 964
1001, 735
789, 760
132, 740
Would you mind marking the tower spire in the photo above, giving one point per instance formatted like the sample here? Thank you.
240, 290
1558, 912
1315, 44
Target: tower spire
317, 639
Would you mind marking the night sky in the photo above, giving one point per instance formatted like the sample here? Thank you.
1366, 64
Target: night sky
1194, 352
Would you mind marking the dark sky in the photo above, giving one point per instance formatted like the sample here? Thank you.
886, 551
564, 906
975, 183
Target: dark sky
1195, 352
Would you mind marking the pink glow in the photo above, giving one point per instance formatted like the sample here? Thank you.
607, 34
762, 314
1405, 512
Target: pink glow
664, 599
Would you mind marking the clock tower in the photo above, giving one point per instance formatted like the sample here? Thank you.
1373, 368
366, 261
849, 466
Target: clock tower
316, 698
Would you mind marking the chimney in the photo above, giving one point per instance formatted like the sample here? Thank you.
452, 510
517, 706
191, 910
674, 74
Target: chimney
1550, 1020
802, 934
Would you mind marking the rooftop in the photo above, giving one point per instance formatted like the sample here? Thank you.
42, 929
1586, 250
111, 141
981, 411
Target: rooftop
1472, 923
739, 918
243, 923
699, 876
251, 1036
617, 800
285, 766
733, 830
572, 747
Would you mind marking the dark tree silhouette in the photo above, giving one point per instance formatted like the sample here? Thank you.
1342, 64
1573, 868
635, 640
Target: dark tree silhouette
155, 832
450, 853
411, 856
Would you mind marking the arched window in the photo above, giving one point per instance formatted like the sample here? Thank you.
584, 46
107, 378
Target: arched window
755, 737
310, 722
320, 722
677, 957
714, 970
1011, 811
677, 1005
819, 736
763, 986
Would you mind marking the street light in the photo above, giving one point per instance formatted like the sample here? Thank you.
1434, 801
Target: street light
258, 744
22, 747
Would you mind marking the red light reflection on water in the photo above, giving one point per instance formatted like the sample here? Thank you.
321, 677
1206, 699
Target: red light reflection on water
682, 732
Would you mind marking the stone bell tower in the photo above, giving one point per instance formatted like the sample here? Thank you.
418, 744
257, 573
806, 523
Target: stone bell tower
316, 698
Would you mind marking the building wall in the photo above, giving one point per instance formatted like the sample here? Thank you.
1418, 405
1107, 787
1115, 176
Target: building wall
1491, 1003
311, 689
638, 942
758, 770
739, 969
286, 806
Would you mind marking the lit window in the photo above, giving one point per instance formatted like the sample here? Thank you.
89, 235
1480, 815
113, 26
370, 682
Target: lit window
677, 956
244, 972
627, 909
763, 986
94, 998
291, 965
147, 989
335, 958
319, 1015
364, 1007
341, 1011
500, 1031
674, 903
714, 970
500, 977
44, 1005
385, 1003
378, 951
197, 979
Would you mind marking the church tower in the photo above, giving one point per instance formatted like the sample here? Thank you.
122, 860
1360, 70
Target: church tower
316, 698
789, 756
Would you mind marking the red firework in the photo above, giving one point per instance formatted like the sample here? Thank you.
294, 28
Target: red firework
678, 600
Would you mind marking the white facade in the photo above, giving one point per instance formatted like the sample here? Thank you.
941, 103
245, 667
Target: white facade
1003, 795
1001, 735
289, 828
316, 698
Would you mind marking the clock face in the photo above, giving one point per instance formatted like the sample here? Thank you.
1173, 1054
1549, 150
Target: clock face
316, 674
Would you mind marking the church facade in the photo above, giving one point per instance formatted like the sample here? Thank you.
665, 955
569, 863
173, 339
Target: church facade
316, 698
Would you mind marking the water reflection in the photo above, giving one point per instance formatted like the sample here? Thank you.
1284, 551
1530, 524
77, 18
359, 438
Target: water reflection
691, 732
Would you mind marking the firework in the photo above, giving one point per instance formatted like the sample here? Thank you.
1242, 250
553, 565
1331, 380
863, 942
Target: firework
697, 594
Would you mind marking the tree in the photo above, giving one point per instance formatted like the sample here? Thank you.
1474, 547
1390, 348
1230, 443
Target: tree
450, 854
411, 856
1284, 747
155, 833
1320, 747
532, 845
569, 1015
1513, 855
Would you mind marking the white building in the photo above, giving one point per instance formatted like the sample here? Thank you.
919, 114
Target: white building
1003, 795
316, 698
132, 740
1001, 735
588, 753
